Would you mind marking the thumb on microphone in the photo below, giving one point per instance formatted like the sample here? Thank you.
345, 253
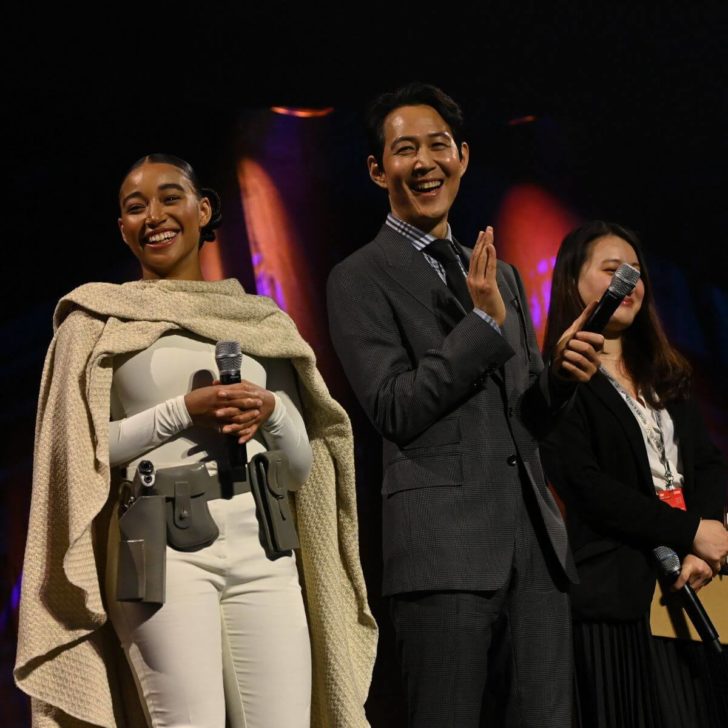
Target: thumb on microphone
575, 330
582, 318
576, 354
695, 572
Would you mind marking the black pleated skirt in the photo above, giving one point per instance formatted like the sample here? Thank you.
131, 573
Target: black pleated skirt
625, 678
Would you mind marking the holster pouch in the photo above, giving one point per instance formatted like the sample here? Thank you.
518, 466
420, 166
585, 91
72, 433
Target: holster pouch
173, 510
186, 490
267, 472
142, 562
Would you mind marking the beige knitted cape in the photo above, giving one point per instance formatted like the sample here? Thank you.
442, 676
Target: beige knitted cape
67, 654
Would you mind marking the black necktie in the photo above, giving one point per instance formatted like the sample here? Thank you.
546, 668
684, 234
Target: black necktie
444, 253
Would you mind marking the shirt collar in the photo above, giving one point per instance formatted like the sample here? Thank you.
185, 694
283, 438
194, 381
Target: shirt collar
414, 235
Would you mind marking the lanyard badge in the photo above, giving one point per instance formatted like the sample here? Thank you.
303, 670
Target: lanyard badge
673, 497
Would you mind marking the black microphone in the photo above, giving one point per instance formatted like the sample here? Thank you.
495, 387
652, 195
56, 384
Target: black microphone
229, 359
669, 563
623, 282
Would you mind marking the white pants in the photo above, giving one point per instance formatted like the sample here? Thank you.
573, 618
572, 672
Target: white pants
231, 638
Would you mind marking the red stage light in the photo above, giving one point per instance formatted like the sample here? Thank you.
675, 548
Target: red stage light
531, 225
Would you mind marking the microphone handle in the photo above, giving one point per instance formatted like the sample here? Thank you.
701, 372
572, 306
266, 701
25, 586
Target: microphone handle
607, 305
237, 453
700, 619
228, 377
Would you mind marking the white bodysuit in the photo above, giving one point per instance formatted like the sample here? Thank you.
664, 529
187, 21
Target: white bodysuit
231, 638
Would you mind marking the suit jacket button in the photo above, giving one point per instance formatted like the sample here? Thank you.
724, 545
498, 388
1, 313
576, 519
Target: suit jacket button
512, 460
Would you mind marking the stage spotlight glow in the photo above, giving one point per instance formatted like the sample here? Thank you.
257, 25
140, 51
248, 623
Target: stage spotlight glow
531, 224
302, 113
527, 119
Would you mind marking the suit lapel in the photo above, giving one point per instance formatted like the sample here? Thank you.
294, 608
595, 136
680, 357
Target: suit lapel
511, 327
409, 269
603, 389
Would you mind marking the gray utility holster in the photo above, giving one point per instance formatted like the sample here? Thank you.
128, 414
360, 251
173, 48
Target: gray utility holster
160, 508
169, 507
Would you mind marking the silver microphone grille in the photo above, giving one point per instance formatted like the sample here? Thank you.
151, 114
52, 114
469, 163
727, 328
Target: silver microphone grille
669, 561
228, 356
624, 280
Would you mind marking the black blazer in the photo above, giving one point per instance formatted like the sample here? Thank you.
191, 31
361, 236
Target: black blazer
596, 459
457, 405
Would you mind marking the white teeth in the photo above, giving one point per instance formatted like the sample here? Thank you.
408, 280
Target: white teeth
426, 186
161, 237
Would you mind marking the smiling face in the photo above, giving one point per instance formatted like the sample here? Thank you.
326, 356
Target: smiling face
421, 167
161, 217
606, 255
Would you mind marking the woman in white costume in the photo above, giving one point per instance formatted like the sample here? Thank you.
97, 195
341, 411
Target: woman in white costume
235, 639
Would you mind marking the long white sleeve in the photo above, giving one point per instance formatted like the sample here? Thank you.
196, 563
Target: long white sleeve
133, 436
285, 429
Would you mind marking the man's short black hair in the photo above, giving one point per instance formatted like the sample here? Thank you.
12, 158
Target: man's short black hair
413, 94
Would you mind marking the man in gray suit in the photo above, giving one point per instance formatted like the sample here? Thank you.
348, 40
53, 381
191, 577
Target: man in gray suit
438, 345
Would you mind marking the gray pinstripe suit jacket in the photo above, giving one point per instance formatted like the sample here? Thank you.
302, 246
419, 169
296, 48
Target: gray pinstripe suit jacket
454, 401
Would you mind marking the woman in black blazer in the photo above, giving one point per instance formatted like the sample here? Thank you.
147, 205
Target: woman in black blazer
629, 451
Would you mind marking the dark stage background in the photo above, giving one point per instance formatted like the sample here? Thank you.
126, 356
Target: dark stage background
572, 113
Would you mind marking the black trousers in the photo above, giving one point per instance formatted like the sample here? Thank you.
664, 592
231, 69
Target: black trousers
445, 640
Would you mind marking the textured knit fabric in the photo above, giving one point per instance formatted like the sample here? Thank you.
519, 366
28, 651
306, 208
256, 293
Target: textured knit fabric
66, 654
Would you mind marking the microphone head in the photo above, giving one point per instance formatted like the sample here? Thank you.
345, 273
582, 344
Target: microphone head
668, 560
624, 280
228, 356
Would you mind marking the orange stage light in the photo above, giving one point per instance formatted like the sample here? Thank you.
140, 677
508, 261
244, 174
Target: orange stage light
527, 119
302, 113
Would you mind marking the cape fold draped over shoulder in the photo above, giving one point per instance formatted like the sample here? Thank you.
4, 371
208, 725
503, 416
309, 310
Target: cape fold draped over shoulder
67, 652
